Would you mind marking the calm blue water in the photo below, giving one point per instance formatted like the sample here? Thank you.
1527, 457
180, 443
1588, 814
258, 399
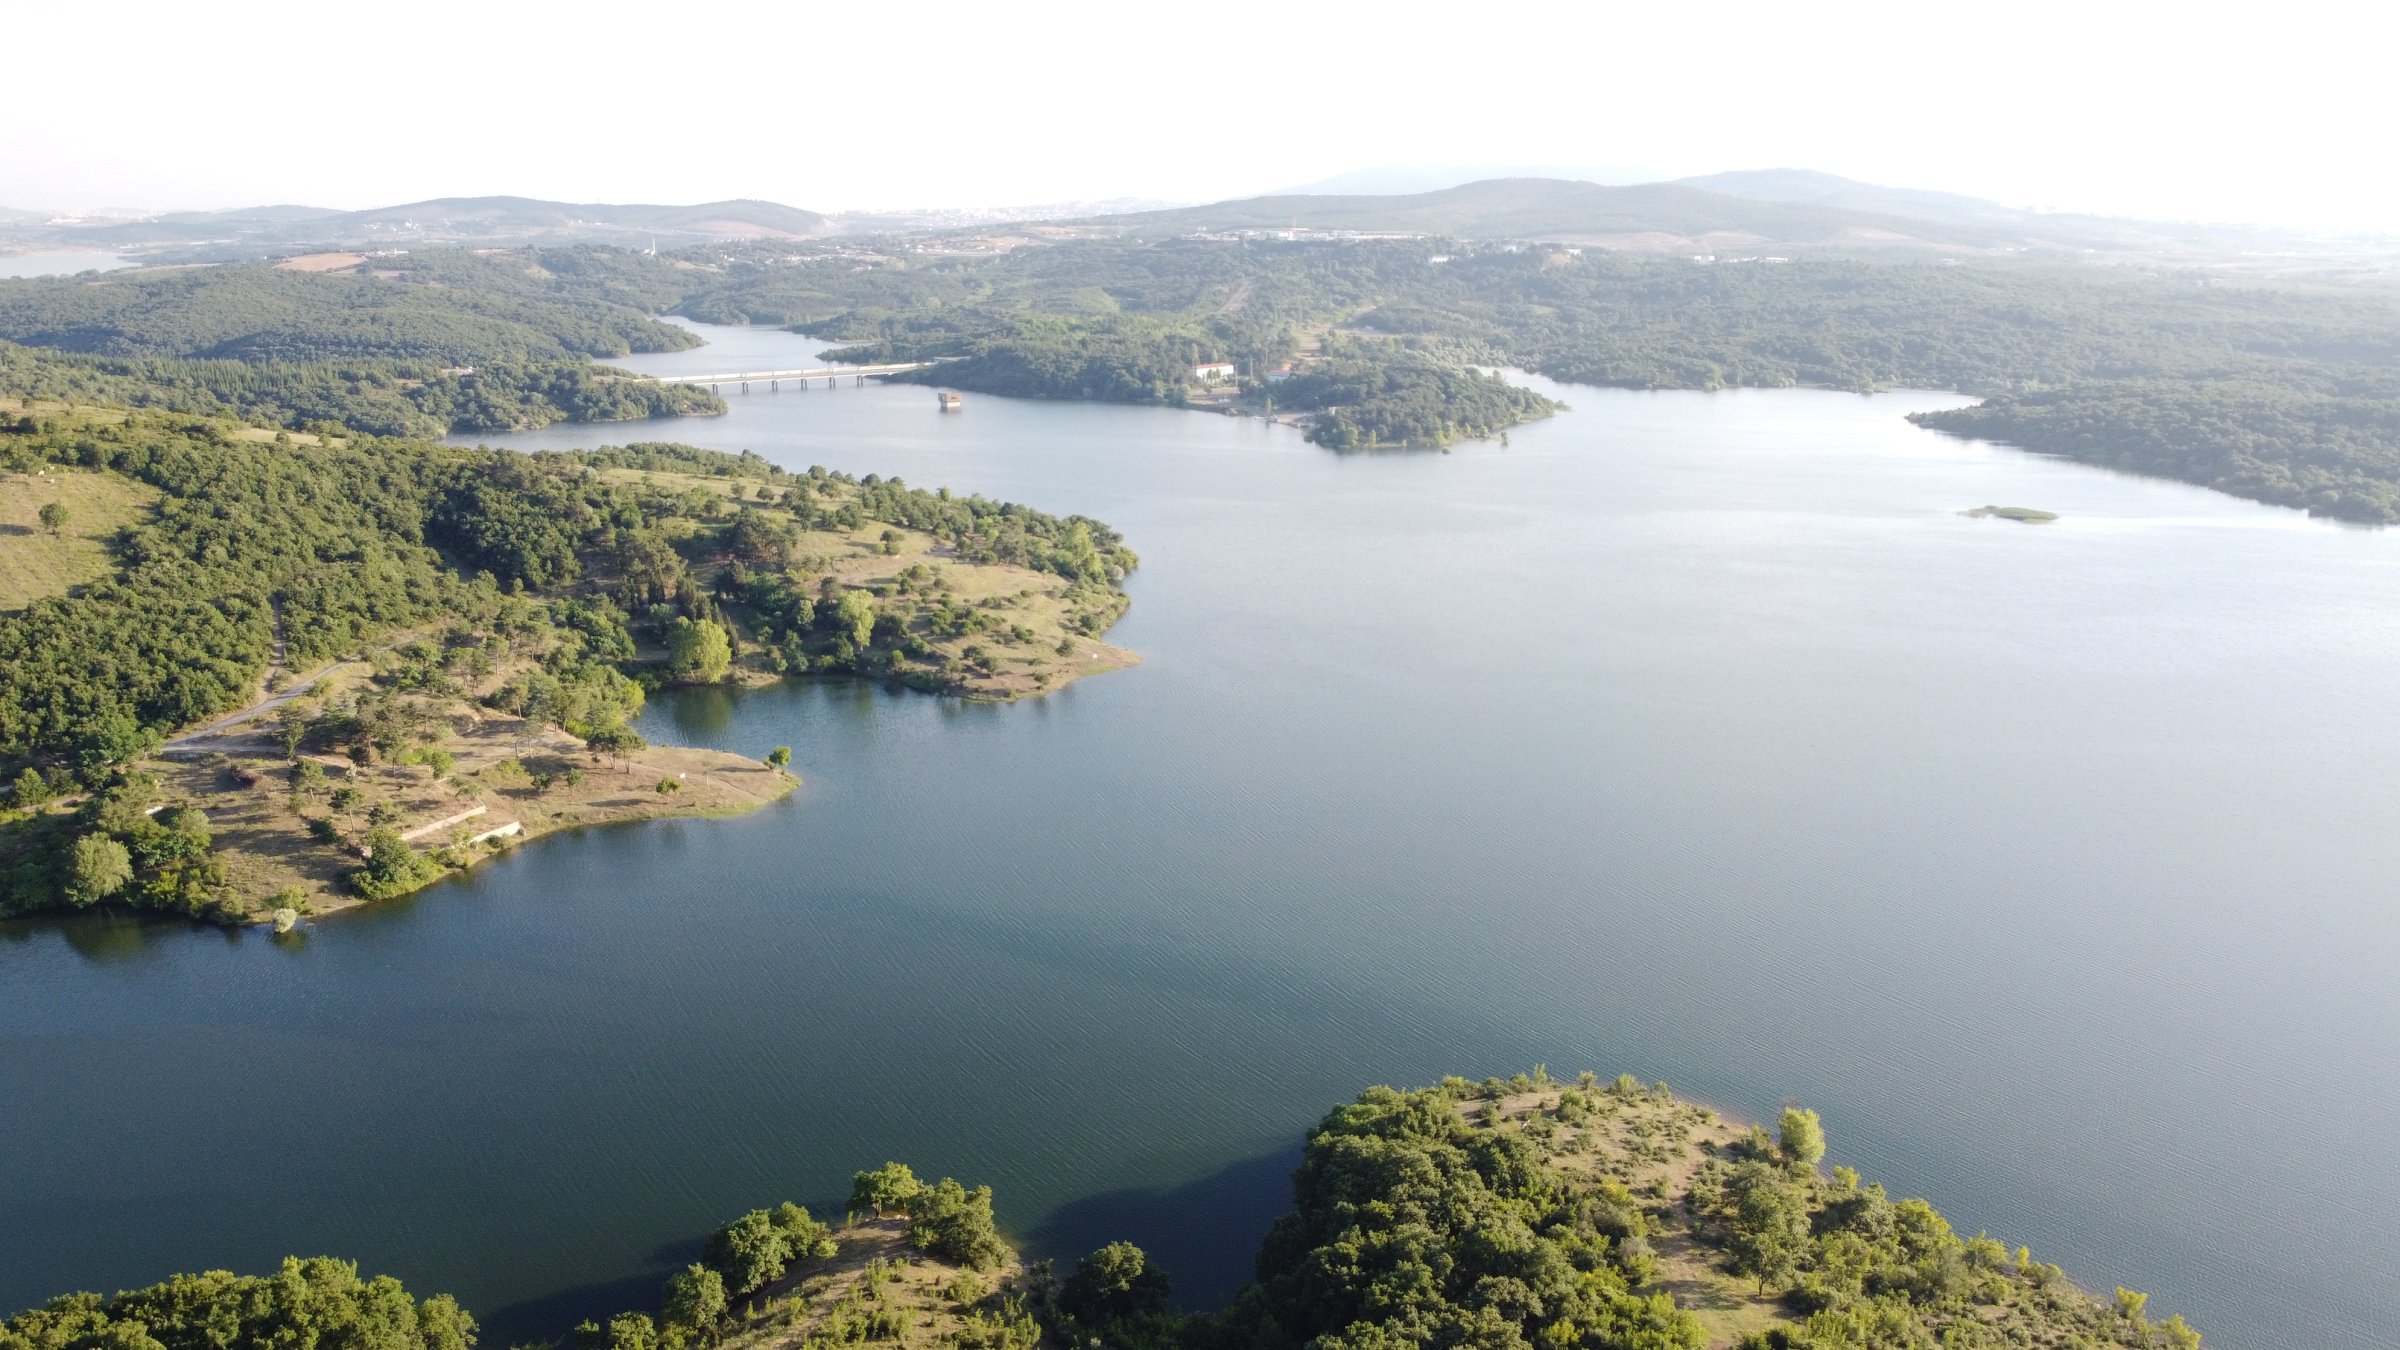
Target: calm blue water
60, 262
1690, 734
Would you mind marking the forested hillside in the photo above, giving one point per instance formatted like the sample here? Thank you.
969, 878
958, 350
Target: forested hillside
425, 344
2285, 394
449, 307
1506, 1215
380, 398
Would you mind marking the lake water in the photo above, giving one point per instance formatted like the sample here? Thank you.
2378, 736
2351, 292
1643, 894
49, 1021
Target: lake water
1690, 734
60, 262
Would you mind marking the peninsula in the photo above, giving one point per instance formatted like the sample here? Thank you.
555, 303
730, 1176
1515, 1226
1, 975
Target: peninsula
382, 659
1513, 1212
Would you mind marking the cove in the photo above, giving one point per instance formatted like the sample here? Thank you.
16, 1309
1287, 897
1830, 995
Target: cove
1695, 735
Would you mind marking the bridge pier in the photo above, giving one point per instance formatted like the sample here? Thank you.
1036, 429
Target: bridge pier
745, 386
774, 386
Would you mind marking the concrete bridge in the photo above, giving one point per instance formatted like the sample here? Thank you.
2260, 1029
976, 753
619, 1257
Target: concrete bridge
774, 379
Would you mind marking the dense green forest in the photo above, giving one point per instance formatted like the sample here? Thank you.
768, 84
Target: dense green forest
430, 343
381, 398
446, 306
307, 1305
330, 545
1506, 1215
2330, 444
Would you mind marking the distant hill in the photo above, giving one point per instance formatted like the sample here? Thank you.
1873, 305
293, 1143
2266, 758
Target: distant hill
1550, 208
1808, 187
1399, 178
514, 215
443, 220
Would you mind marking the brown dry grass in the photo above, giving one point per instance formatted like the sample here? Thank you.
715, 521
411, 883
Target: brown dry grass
262, 832
1654, 1145
874, 1268
321, 262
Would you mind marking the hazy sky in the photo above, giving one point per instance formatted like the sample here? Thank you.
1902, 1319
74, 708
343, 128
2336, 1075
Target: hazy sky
2229, 112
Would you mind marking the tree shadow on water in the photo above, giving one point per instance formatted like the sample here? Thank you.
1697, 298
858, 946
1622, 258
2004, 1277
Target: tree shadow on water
1204, 1233
552, 1316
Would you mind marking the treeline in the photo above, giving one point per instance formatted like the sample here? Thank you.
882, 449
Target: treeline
318, 1302
2329, 452
379, 398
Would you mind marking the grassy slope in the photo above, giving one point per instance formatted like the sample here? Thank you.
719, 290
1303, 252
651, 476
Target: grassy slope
33, 562
266, 844
875, 1269
1655, 1144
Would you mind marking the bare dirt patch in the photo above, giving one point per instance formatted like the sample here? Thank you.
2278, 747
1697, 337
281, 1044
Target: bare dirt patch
321, 262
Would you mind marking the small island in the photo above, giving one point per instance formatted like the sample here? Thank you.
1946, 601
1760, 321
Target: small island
248, 675
2025, 514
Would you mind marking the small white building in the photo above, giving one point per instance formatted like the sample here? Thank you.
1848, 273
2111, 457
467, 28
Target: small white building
1213, 372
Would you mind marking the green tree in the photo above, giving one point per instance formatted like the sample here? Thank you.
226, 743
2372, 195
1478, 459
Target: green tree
954, 1224
755, 1249
889, 1189
779, 758
190, 822
698, 651
695, 1298
811, 1240
316, 1302
749, 1252
54, 516
854, 617
31, 789
98, 868
1114, 1284
1803, 1136
619, 742
1770, 1233
392, 867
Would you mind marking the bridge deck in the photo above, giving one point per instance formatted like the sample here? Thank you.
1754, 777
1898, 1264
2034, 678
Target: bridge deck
814, 373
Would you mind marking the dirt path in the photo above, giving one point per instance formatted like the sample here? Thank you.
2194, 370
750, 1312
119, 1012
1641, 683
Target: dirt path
191, 739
